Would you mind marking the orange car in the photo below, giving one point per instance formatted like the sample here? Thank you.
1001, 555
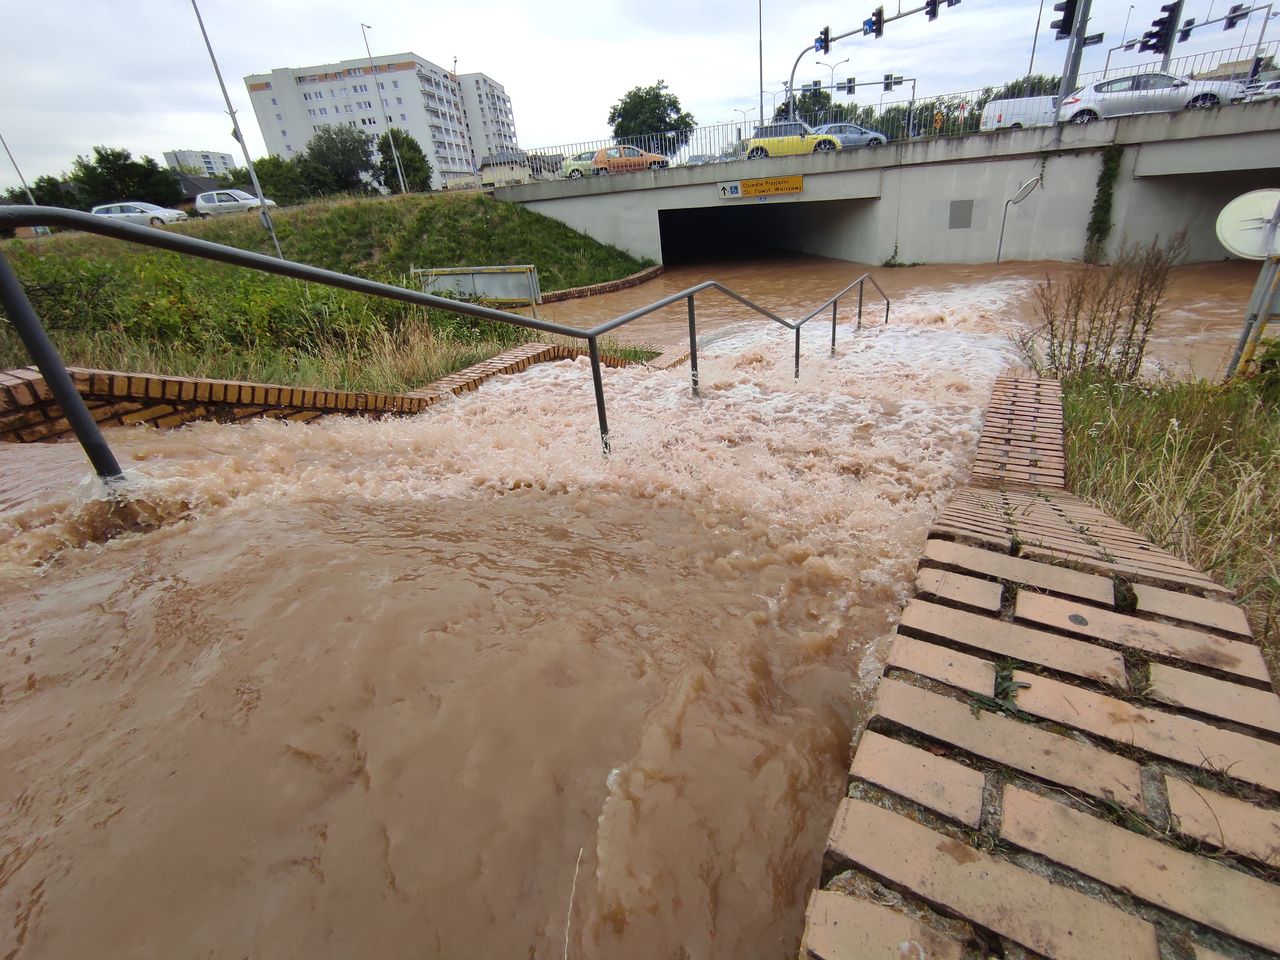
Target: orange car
625, 159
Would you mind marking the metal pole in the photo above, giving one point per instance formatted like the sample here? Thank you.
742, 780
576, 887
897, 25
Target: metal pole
1075, 50
378, 92
797, 353
693, 348
860, 285
1167, 59
791, 84
760, 27
1034, 38
45, 355
1266, 276
594, 350
263, 215
834, 304
21, 178
1003, 218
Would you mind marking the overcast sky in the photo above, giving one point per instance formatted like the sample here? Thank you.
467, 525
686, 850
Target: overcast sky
135, 74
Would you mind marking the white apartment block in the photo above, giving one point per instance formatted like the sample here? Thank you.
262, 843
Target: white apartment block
418, 97
491, 125
207, 162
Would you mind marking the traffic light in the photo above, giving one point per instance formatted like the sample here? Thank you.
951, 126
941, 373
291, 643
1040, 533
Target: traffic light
1237, 13
1185, 33
1159, 39
931, 9
850, 85
877, 22
1067, 22
822, 42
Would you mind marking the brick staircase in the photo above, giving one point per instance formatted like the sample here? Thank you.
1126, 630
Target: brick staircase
1075, 747
28, 412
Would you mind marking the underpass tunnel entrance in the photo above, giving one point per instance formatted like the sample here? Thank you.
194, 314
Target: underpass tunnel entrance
747, 230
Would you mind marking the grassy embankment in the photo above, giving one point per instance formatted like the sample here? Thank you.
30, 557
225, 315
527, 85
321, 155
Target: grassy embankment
119, 306
1193, 465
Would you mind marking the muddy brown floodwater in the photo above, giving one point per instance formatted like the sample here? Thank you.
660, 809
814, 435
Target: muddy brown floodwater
457, 685
1202, 318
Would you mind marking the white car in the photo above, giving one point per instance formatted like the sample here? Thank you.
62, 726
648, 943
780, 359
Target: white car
139, 212
1145, 93
227, 201
1019, 112
1263, 91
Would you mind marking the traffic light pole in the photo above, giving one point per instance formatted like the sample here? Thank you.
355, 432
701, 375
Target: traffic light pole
1075, 51
860, 31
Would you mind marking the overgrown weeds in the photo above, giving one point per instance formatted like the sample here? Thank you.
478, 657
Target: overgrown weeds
1098, 321
1194, 466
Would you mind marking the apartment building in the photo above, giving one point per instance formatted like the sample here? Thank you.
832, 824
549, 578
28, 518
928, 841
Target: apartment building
491, 124
206, 162
426, 101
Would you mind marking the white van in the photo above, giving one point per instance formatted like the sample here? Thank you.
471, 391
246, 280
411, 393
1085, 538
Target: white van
1019, 113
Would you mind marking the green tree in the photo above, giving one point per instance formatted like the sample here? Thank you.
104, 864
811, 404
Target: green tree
112, 174
414, 163
49, 192
281, 180
814, 107
338, 160
651, 118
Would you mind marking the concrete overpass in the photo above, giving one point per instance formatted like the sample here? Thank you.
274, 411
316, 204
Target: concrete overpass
940, 201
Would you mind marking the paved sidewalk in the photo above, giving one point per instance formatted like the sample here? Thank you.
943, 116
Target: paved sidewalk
1075, 749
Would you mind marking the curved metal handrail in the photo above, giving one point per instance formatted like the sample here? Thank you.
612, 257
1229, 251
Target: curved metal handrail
45, 355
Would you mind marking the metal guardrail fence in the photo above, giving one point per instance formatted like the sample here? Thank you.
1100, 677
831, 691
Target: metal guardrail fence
45, 356
891, 116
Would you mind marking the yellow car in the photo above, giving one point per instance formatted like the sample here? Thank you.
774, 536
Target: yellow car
788, 138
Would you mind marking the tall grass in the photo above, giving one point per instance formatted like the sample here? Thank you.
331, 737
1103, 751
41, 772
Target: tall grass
119, 306
1194, 466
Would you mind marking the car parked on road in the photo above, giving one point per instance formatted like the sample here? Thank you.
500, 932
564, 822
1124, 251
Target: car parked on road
1145, 93
579, 165
627, 159
788, 138
216, 202
135, 211
1016, 113
851, 135
1270, 90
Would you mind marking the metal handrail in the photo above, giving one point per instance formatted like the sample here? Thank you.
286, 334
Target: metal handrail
14, 300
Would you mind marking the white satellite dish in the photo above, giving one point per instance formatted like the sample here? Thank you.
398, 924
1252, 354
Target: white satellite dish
1247, 225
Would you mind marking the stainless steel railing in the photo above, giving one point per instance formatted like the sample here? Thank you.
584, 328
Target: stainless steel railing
43, 353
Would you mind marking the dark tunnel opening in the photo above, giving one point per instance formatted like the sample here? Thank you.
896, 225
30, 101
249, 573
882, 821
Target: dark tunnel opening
754, 230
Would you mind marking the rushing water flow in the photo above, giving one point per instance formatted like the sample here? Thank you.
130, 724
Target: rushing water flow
368, 688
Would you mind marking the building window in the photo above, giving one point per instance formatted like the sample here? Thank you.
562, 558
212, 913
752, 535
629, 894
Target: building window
399, 101
311, 112
324, 111
289, 148
273, 102
279, 118
283, 134
395, 84
403, 117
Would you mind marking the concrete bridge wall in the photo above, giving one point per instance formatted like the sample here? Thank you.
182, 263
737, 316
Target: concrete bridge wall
941, 201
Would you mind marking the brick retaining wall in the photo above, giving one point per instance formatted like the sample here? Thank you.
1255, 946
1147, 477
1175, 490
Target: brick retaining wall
1075, 747
28, 412
609, 286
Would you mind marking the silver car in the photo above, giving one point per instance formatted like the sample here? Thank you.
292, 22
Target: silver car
852, 135
138, 212
226, 201
1145, 93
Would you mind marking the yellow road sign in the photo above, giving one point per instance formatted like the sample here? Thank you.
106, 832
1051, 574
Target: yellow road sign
767, 186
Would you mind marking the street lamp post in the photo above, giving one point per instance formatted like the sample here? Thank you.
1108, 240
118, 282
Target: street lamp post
395, 156
745, 113
21, 178
263, 214
1024, 191
832, 68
